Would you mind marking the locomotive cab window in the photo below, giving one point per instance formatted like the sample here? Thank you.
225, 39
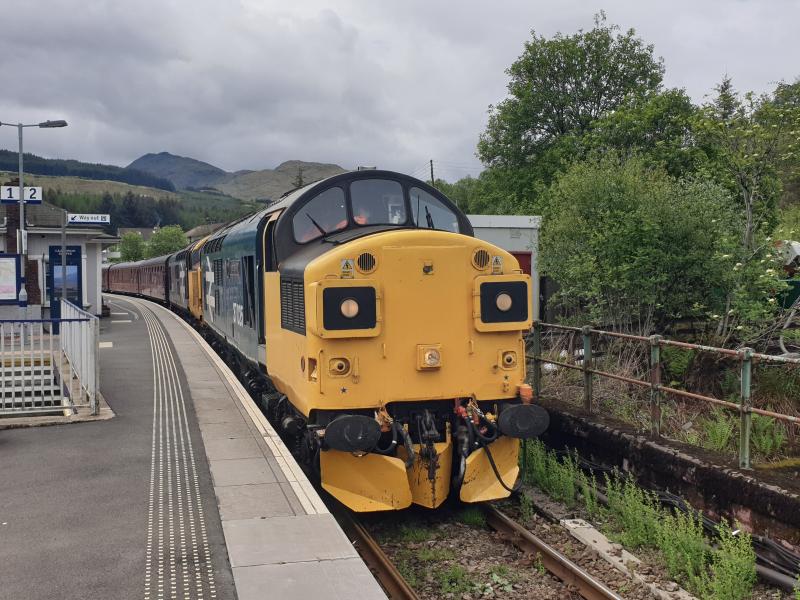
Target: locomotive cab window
377, 202
428, 211
326, 213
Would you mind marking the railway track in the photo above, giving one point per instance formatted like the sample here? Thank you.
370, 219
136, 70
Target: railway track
381, 566
553, 561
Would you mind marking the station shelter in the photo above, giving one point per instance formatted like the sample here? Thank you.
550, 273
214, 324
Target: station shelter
517, 234
84, 251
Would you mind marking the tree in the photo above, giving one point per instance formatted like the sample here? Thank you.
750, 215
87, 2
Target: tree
166, 241
657, 127
558, 87
131, 247
749, 138
298, 182
635, 249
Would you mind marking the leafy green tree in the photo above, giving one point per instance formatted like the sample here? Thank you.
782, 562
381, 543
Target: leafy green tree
749, 138
634, 248
131, 247
166, 241
558, 87
657, 127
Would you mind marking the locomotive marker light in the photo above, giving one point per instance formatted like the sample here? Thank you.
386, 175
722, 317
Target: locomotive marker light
503, 302
349, 308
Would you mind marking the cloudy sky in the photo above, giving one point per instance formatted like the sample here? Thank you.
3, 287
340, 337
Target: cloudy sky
247, 84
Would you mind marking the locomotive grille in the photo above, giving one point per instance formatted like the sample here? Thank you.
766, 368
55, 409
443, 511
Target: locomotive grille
293, 311
480, 259
366, 262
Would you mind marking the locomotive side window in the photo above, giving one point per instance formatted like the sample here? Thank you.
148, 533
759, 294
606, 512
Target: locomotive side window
428, 211
323, 214
377, 202
248, 291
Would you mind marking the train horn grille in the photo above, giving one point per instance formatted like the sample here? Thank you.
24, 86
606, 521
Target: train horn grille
366, 262
480, 259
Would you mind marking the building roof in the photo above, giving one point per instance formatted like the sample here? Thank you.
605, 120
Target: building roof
145, 232
203, 230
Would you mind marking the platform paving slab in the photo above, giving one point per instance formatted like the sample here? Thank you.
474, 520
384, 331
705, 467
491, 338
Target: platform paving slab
281, 540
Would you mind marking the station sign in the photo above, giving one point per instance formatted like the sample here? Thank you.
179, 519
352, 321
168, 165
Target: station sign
86, 218
9, 194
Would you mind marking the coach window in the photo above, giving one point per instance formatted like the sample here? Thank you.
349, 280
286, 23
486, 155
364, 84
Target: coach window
377, 202
428, 211
321, 215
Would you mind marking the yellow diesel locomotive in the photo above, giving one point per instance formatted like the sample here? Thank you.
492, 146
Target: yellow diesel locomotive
378, 334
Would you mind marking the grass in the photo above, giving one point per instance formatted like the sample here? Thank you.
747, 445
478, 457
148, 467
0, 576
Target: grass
413, 533
435, 554
473, 516
455, 580
635, 518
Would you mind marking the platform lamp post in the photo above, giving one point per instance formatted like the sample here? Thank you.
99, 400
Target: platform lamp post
23, 245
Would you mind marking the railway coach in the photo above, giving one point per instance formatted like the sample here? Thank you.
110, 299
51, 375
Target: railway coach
382, 337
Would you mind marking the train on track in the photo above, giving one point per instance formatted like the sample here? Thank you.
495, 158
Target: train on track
381, 338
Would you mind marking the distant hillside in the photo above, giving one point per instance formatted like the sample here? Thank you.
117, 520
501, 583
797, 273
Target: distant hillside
80, 185
266, 184
182, 171
9, 161
270, 184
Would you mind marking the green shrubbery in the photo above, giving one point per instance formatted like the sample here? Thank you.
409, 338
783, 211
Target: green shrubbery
635, 518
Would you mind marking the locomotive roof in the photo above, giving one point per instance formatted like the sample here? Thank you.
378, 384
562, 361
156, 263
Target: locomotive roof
241, 232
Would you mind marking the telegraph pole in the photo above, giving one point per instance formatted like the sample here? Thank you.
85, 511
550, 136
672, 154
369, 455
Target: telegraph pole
433, 181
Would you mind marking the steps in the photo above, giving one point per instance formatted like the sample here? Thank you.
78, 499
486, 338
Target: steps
30, 386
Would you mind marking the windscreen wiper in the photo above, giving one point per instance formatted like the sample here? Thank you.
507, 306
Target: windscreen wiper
429, 218
317, 225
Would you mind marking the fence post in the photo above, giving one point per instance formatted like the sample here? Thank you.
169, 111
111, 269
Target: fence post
587, 366
655, 385
96, 365
537, 360
744, 408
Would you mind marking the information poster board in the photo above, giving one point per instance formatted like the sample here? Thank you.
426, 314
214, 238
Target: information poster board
9, 278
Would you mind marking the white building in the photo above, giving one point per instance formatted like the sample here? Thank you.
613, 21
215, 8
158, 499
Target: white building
84, 244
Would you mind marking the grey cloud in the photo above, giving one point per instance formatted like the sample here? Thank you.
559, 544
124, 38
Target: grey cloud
251, 83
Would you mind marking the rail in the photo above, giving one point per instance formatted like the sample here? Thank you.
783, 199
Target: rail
555, 562
385, 572
747, 358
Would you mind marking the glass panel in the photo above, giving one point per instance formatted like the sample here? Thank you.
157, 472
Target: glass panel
377, 202
428, 211
324, 213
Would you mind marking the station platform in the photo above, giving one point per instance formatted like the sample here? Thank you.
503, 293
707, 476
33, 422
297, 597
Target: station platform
187, 492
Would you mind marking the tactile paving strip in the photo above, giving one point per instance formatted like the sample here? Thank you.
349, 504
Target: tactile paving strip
178, 558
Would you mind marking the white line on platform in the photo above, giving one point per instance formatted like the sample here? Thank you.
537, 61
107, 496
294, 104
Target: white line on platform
122, 321
120, 314
106, 344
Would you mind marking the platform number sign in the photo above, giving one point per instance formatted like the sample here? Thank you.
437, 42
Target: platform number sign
9, 194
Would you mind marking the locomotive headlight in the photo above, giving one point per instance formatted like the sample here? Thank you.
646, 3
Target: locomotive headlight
432, 358
349, 308
503, 302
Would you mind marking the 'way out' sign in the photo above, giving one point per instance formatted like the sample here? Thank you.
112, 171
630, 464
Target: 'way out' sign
81, 218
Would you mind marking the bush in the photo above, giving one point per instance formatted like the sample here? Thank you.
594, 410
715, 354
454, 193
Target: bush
634, 248
733, 567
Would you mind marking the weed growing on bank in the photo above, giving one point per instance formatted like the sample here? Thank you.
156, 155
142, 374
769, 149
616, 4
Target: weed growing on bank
634, 517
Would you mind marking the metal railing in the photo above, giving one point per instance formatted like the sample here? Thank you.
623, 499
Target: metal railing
49, 365
746, 357
80, 341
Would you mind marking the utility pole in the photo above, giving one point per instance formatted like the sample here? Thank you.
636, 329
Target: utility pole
22, 248
433, 181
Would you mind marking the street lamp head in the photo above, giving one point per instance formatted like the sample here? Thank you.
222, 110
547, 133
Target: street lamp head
47, 124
